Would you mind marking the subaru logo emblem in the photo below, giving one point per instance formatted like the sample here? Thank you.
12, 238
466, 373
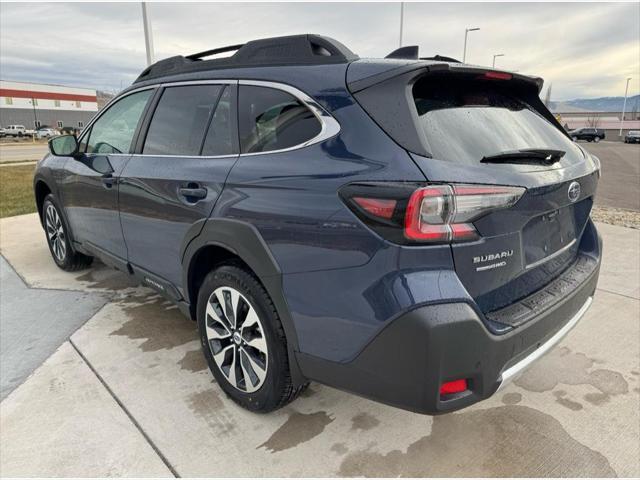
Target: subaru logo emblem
574, 191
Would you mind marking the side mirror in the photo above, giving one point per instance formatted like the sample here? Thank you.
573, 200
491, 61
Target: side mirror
65, 145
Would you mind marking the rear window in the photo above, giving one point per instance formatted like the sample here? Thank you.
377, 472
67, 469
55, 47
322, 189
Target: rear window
466, 120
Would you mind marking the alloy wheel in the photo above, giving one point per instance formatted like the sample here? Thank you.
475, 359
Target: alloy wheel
236, 338
55, 233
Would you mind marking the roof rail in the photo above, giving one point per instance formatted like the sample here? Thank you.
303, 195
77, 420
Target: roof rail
305, 49
215, 51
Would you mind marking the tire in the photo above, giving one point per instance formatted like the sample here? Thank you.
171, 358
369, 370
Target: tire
575, 139
19, 134
257, 347
596, 139
57, 234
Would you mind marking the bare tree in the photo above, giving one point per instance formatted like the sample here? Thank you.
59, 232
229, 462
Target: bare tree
593, 121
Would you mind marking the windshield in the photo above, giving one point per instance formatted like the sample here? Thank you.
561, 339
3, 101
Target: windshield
466, 120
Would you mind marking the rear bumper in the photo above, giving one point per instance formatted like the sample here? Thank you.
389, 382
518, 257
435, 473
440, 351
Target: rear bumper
405, 364
515, 370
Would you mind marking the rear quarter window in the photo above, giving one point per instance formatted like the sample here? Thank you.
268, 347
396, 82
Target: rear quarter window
271, 120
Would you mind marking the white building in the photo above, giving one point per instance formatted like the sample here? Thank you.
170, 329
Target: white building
34, 105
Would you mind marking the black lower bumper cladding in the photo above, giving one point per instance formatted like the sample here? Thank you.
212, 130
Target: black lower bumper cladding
405, 364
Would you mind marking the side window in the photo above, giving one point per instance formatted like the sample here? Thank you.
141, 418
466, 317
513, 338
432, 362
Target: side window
113, 131
270, 119
180, 120
220, 138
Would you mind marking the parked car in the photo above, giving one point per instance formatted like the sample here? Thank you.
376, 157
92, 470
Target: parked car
46, 132
69, 130
16, 131
632, 136
326, 225
588, 134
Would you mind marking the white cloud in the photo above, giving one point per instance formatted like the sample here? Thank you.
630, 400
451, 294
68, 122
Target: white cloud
586, 50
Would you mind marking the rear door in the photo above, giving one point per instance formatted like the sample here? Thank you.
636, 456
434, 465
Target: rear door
172, 182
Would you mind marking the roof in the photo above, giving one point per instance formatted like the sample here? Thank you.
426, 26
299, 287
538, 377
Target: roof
308, 49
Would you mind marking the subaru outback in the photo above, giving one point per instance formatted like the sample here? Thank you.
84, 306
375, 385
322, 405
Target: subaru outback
413, 230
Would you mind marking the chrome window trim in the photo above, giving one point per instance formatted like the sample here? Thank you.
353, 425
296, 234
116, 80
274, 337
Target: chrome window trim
199, 82
329, 126
234, 155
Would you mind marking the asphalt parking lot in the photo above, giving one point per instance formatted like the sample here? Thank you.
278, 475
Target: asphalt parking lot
619, 185
22, 152
129, 394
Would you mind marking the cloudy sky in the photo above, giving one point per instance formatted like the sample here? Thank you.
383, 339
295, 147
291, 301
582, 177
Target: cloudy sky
585, 50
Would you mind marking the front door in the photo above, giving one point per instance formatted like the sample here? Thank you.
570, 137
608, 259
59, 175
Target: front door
89, 189
173, 180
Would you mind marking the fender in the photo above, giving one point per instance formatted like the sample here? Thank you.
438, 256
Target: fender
46, 174
244, 240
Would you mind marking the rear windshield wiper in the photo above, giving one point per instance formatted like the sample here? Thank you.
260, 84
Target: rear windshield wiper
526, 155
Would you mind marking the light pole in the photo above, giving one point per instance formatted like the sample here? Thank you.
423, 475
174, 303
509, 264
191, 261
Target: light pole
35, 120
148, 34
401, 21
494, 58
466, 32
624, 105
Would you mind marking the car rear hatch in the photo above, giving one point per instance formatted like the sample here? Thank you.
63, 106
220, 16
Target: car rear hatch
467, 126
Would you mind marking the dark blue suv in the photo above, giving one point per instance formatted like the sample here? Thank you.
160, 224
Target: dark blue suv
413, 230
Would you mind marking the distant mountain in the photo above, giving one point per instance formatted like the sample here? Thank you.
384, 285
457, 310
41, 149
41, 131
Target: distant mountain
603, 104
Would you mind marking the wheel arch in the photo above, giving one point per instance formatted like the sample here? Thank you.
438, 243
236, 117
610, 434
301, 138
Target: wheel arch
229, 240
41, 189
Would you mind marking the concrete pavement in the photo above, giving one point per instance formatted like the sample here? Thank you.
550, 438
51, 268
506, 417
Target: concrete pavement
575, 413
35, 323
63, 422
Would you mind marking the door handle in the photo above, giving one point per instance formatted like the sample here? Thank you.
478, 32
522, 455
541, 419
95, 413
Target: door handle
108, 180
191, 194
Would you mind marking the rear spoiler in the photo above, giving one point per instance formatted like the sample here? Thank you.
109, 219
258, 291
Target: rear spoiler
425, 67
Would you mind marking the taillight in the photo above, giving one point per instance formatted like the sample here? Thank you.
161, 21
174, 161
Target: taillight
378, 207
442, 213
436, 213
